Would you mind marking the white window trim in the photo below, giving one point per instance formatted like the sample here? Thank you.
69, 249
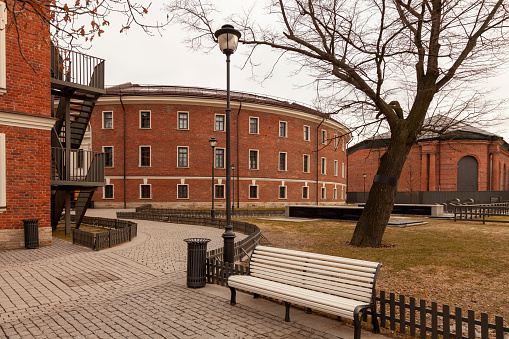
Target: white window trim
257, 125
224, 123
336, 141
112, 156
324, 166
215, 150
308, 163
286, 129
3, 67
323, 191
257, 160
224, 191
139, 156
335, 194
335, 168
304, 132
324, 133
257, 192
188, 157
3, 174
187, 191
286, 192
286, 162
150, 119
343, 144
113, 197
307, 192
150, 185
343, 170
112, 120
178, 121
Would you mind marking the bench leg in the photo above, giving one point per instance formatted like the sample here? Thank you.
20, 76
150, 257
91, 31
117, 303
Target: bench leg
256, 295
233, 299
357, 324
308, 310
287, 312
374, 319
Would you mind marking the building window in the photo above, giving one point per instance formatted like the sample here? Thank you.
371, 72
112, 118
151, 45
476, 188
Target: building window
3, 67
108, 192
335, 194
343, 144
3, 174
324, 166
219, 157
253, 159
282, 161
342, 169
219, 191
108, 156
336, 141
306, 133
305, 163
80, 158
324, 136
282, 129
145, 119
282, 192
183, 120
253, 125
219, 122
323, 193
335, 168
183, 157
182, 191
145, 191
144, 156
253, 192
305, 192
342, 193
107, 120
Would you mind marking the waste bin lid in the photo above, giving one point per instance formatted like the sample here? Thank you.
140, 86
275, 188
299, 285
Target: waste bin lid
197, 240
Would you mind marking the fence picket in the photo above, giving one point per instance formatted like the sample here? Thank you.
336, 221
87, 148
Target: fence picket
499, 327
392, 310
446, 317
422, 309
382, 309
402, 312
434, 320
484, 326
412, 316
459, 323
471, 324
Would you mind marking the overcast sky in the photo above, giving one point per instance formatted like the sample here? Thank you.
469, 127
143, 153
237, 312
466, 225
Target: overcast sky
165, 60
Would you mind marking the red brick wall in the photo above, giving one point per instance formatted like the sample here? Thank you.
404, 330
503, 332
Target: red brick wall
164, 137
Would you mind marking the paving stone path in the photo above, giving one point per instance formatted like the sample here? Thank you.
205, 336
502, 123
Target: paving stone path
135, 290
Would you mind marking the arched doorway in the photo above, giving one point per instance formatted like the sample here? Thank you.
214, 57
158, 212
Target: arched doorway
467, 174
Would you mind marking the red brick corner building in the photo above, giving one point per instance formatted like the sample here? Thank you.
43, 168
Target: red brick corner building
464, 159
157, 143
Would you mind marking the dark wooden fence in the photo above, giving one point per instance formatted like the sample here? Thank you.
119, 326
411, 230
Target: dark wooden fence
480, 212
241, 213
119, 231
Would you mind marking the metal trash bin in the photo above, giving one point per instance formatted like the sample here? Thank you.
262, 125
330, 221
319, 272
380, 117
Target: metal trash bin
31, 227
196, 261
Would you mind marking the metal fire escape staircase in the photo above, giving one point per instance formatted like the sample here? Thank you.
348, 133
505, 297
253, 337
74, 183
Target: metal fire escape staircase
77, 82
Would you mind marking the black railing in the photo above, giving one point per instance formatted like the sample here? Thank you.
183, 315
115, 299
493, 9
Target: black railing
481, 212
77, 68
118, 232
76, 166
202, 213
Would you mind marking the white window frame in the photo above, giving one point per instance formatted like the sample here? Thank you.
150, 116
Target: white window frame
336, 141
150, 158
215, 157
343, 170
335, 168
308, 136
257, 125
113, 192
324, 193
307, 192
257, 159
342, 193
178, 121
3, 174
286, 129
335, 194
343, 144
279, 162
112, 156
324, 136
187, 147
224, 122
304, 162
224, 191
257, 192
187, 198
112, 120
279, 192
3, 48
149, 118
150, 185
324, 165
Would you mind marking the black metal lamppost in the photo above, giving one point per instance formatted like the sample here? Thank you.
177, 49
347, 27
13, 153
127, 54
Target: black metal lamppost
233, 188
213, 143
228, 39
364, 194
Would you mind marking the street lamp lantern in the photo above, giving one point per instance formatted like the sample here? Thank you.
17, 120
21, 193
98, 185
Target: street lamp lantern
228, 40
213, 144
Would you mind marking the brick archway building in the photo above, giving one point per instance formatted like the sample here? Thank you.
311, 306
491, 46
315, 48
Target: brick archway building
158, 138
432, 163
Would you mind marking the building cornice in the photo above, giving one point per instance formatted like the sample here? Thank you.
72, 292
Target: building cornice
24, 120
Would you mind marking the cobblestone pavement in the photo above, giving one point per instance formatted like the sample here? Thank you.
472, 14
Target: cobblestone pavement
135, 290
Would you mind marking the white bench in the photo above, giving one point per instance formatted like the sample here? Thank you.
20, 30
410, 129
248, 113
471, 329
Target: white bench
340, 286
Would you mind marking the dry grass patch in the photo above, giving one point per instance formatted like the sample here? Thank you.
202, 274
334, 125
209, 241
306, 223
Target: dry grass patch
60, 231
464, 264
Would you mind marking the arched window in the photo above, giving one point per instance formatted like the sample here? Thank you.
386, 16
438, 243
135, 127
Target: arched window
467, 174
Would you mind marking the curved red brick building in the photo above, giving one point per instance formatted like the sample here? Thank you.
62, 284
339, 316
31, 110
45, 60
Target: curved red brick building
158, 141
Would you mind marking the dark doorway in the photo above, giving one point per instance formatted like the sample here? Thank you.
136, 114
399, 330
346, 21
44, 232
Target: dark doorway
467, 174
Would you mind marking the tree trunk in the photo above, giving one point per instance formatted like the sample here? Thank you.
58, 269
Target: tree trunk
377, 211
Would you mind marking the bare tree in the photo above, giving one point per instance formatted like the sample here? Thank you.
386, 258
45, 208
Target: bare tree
399, 60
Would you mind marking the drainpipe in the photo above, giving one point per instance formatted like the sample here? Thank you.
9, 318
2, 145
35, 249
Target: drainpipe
238, 159
124, 151
317, 160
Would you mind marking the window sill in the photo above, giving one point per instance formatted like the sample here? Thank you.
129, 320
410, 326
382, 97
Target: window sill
145, 128
3, 91
182, 198
145, 198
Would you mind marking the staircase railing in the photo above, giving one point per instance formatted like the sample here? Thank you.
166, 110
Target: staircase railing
83, 166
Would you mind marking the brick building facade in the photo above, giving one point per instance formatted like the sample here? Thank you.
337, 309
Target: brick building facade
25, 127
157, 139
464, 159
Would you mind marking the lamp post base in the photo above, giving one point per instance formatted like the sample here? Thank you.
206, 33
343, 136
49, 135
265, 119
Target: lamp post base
229, 248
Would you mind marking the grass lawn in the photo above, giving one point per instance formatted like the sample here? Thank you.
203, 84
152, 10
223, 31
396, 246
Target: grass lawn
462, 264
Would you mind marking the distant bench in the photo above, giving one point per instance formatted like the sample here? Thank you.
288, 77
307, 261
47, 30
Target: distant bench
340, 286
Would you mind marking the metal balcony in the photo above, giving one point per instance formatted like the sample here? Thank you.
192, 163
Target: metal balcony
77, 168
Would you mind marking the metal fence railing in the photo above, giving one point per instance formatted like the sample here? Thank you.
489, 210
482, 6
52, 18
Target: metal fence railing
118, 232
481, 212
77, 165
202, 213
